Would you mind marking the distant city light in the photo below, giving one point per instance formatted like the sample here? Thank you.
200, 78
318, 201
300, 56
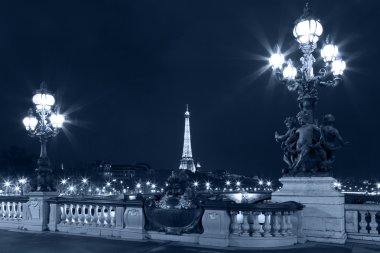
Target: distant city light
7, 183
138, 185
147, 183
85, 180
228, 182
108, 184
22, 180
196, 184
269, 183
238, 183
17, 188
71, 188
153, 186
261, 182
63, 181
208, 185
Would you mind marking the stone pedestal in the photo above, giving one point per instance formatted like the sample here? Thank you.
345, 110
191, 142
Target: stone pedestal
216, 225
323, 215
37, 211
134, 220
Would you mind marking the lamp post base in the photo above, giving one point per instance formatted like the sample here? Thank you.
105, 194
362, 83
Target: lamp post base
323, 215
44, 180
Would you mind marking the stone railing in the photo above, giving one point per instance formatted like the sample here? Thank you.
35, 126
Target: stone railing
224, 223
99, 217
246, 225
362, 221
12, 211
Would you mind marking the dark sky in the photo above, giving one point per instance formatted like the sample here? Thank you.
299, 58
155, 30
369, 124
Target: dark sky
123, 72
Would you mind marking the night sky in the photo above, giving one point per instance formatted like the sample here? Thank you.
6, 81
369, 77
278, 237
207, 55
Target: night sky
123, 72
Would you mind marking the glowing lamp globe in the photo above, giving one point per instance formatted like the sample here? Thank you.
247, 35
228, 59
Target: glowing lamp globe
43, 99
329, 52
290, 72
276, 61
30, 123
307, 31
337, 67
57, 120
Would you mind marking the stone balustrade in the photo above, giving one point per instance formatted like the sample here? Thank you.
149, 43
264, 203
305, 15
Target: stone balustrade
12, 211
258, 225
96, 216
362, 221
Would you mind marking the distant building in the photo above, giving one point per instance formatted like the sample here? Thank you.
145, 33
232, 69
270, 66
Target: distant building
125, 172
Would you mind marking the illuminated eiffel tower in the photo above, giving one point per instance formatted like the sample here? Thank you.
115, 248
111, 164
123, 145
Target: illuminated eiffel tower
187, 162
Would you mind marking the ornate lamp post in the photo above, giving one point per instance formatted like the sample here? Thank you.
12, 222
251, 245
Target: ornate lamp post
308, 147
43, 122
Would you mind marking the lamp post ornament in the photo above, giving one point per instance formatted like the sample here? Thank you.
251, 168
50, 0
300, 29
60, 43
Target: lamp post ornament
308, 146
45, 125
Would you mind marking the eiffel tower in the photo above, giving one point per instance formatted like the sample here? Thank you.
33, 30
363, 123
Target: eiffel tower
187, 162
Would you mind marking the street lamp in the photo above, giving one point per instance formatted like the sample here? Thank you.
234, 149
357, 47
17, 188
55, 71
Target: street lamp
317, 155
46, 124
307, 31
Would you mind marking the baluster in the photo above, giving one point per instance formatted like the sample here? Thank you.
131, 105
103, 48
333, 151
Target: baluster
82, 216
245, 226
20, 208
76, 214
108, 217
8, 213
276, 223
12, 210
289, 223
113, 216
373, 223
95, 217
234, 224
250, 222
283, 224
15, 211
63, 213
70, 214
363, 223
267, 226
101, 216
256, 227
1, 210
88, 215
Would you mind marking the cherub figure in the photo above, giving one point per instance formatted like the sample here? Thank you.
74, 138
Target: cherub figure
331, 139
288, 140
308, 147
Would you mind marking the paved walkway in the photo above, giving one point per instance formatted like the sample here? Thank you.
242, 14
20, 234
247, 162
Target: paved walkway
46, 242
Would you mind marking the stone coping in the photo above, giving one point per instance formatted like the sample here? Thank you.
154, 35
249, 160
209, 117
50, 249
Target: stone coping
22, 199
362, 207
103, 201
259, 207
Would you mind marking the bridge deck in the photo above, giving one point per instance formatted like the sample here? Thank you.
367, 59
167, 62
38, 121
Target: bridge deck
28, 242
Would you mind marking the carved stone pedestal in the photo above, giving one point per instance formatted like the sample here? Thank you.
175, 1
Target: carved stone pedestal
323, 215
134, 224
37, 211
216, 225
